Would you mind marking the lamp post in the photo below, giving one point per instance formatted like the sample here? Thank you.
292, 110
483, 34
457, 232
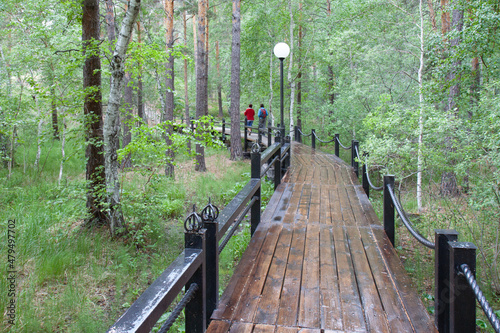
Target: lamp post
281, 51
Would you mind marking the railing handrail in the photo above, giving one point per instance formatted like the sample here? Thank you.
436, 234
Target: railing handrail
402, 215
144, 313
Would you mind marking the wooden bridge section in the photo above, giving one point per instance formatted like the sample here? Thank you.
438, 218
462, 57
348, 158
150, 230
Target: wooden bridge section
320, 261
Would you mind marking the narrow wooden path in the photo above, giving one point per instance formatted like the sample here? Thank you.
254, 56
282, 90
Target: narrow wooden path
320, 262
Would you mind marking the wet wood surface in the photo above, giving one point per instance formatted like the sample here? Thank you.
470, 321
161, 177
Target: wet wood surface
320, 262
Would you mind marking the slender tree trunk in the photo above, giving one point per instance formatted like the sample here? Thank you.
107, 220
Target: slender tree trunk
39, 133
421, 115
290, 68
186, 86
236, 149
219, 80
432, 15
92, 108
63, 152
140, 104
299, 75
201, 81
271, 56
448, 179
111, 127
169, 97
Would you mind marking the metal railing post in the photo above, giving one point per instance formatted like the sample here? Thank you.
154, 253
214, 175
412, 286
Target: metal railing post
223, 129
288, 158
313, 139
277, 164
245, 129
296, 133
337, 145
354, 163
269, 136
192, 125
196, 309
389, 209
442, 278
255, 210
462, 297
366, 185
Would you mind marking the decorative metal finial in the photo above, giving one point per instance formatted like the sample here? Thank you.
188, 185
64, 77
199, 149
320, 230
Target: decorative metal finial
193, 221
277, 132
255, 148
210, 213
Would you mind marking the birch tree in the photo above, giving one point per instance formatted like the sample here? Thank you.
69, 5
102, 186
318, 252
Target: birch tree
111, 125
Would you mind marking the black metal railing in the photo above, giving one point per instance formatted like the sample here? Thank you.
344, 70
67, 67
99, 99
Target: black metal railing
456, 289
196, 269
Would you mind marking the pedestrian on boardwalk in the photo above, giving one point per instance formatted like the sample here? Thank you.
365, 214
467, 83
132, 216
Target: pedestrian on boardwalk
262, 117
249, 114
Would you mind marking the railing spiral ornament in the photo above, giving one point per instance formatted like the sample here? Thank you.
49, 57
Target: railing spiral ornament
341, 145
488, 311
407, 222
188, 296
302, 133
255, 148
193, 222
210, 213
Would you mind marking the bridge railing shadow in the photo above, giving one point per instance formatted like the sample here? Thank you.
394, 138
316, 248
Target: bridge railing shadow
196, 269
456, 289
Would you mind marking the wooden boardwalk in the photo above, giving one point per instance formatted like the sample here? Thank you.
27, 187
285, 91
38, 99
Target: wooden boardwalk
320, 262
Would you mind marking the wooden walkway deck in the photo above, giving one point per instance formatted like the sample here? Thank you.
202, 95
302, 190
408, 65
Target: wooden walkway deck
320, 262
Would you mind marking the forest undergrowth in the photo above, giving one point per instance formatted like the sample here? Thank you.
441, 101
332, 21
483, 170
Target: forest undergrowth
72, 278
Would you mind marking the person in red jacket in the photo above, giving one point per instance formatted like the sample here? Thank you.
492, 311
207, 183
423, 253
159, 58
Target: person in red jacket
249, 114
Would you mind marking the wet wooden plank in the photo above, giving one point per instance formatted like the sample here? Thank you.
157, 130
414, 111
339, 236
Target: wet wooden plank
218, 326
335, 208
372, 306
410, 299
260, 328
394, 309
287, 315
281, 329
358, 213
267, 312
352, 310
239, 327
331, 311
251, 295
345, 205
245, 272
277, 206
309, 308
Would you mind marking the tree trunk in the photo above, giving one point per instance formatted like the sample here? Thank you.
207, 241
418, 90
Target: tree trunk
271, 56
140, 104
63, 152
290, 68
186, 87
201, 81
236, 150
421, 115
169, 96
111, 127
92, 109
448, 179
219, 80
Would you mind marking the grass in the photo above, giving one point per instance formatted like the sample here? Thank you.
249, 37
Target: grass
74, 279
